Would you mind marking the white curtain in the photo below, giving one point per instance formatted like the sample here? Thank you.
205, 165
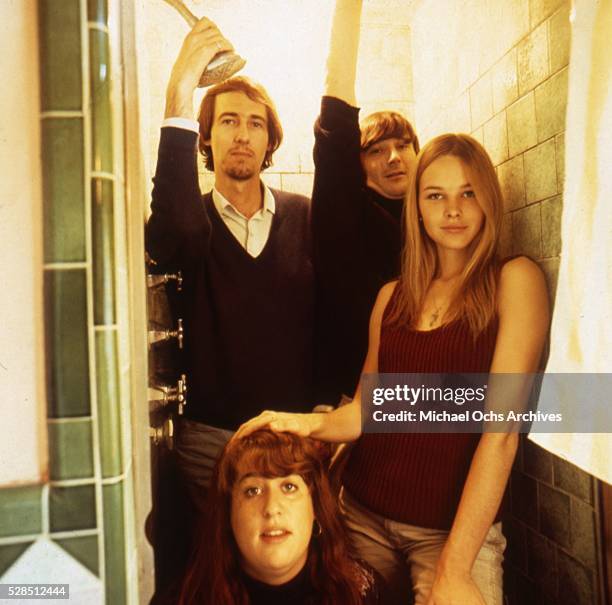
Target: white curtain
581, 339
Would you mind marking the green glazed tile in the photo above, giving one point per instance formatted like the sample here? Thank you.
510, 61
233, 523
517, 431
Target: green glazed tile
66, 343
103, 235
101, 112
63, 189
97, 11
60, 54
72, 508
84, 550
9, 553
108, 403
70, 450
20, 511
114, 544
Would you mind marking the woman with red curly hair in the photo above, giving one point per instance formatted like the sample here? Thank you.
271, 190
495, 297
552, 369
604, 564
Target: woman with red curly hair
273, 533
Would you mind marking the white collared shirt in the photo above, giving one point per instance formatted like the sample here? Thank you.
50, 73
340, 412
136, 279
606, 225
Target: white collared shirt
252, 233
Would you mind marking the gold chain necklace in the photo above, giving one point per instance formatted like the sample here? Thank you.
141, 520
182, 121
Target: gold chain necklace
436, 313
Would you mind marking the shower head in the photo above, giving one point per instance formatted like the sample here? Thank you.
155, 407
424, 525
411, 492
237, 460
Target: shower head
223, 65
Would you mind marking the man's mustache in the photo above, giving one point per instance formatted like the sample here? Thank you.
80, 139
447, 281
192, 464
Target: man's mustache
242, 150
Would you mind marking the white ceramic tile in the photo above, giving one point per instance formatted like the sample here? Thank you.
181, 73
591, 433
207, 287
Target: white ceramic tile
46, 563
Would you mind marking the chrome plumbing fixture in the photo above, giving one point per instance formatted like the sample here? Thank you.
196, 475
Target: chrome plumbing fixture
163, 335
163, 394
154, 280
223, 65
165, 432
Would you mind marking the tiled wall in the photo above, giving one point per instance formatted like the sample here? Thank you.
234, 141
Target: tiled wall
81, 515
553, 535
507, 86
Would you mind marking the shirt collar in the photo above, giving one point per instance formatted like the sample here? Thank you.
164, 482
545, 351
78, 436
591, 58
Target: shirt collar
223, 204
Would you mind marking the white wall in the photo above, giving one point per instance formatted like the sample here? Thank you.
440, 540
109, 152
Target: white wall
22, 411
285, 43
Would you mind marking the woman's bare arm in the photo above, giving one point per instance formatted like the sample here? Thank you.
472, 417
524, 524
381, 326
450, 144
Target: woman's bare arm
523, 326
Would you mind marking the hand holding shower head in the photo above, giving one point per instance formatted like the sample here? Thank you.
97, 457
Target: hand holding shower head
224, 64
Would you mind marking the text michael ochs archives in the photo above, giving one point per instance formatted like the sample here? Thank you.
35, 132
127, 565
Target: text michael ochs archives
452, 405
459, 396
479, 402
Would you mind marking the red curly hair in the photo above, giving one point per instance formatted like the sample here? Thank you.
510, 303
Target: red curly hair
214, 576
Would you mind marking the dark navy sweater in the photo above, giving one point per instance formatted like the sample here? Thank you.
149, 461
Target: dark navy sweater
357, 241
248, 321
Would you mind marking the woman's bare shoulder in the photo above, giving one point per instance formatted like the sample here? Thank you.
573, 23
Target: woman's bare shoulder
382, 300
520, 271
521, 283
386, 292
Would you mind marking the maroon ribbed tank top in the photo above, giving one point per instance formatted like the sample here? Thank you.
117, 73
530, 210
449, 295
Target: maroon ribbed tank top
418, 478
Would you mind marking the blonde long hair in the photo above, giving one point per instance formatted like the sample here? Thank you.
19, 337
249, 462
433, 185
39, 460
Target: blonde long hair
475, 298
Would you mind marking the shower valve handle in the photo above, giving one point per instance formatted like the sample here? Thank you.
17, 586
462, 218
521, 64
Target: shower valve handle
154, 279
163, 335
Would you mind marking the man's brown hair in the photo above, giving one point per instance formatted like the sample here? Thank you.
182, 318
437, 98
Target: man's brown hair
387, 125
256, 92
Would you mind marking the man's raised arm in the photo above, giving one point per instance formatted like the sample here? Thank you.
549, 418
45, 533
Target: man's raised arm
343, 49
338, 171
178, 222
201, 44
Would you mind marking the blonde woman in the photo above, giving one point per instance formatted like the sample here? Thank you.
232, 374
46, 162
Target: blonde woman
430, 502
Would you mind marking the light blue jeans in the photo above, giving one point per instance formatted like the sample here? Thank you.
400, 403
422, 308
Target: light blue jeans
405, 554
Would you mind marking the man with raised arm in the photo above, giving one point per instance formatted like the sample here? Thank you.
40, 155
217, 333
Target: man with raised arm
244, 250
362, 172
361, 177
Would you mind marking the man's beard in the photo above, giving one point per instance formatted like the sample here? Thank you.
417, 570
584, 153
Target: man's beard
239, 171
